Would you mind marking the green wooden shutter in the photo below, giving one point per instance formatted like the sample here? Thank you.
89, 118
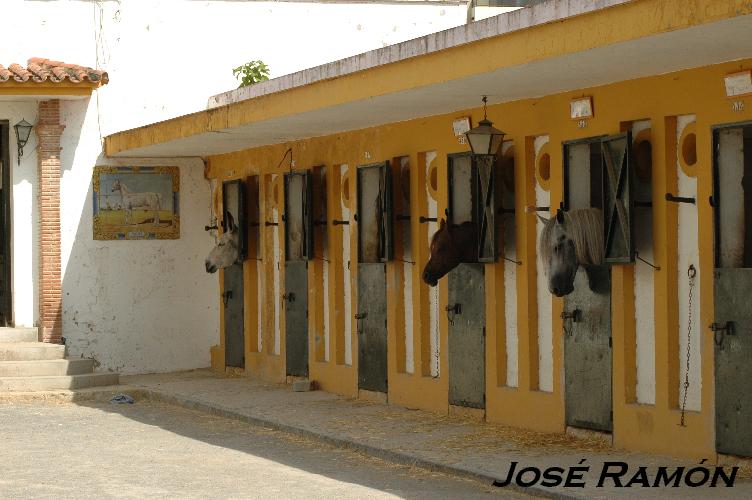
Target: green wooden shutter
386, 235
486, 207
233, 200
307, 196
618, 216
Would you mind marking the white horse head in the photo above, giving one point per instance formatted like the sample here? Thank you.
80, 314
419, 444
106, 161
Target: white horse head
569, 240
115, 186
226, 252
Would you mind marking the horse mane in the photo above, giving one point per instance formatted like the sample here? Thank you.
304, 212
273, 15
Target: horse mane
465, 225
585, 228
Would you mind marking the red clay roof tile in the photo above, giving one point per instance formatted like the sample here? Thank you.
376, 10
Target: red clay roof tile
41, 70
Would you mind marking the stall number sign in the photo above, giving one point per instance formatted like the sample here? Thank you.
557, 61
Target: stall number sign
460, 127
580, 109
738, 84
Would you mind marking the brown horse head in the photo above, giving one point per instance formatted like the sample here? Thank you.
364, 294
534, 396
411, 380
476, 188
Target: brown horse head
449, 247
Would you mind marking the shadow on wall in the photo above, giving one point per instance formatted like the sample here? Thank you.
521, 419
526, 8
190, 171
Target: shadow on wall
141, 306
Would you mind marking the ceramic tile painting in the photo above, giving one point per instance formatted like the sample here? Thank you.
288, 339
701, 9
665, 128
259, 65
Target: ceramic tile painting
136, 203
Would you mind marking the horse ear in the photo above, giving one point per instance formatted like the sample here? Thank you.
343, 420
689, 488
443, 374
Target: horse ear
442, 224
230, 222
560, 216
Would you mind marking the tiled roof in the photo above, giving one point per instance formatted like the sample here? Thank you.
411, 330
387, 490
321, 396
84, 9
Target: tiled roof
39, 70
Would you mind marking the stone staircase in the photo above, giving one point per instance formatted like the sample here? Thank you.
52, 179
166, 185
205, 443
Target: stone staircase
29, 365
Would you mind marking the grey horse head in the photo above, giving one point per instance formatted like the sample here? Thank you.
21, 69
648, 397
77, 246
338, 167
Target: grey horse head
226, 252
568, 240
559, 255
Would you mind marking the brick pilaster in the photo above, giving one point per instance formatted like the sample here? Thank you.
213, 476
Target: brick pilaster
48, 130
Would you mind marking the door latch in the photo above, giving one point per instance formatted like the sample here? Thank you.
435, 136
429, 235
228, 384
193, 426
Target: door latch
574, 316
227, 295
358, 317
725, 328
452, 311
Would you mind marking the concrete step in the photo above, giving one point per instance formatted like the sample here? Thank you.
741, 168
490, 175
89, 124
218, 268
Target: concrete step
19, 334
30, 351
48, 383
46, 367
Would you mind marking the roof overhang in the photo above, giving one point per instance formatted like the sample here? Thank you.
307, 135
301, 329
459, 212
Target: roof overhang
552, 47
33, 91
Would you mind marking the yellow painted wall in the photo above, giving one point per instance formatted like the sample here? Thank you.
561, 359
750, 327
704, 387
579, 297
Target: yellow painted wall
641, 427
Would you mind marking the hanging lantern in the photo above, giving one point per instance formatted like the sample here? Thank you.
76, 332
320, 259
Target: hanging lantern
23, 131
484, 139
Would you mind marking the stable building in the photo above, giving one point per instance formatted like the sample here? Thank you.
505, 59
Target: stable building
339, 176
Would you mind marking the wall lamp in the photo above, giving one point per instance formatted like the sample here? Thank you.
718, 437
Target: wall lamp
23, 131
484, 139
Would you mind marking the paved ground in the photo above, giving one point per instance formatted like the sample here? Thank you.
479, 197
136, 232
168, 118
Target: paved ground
156, 450
440, 443
412, 436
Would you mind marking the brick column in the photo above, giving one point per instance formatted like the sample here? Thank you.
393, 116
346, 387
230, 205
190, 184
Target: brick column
48, 130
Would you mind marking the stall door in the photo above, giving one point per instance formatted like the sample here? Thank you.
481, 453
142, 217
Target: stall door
374, 249
298, 220
232, 295
733, 286
466, 306
596, 175
466, 312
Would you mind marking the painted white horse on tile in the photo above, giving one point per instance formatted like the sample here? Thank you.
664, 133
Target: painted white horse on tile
151, 202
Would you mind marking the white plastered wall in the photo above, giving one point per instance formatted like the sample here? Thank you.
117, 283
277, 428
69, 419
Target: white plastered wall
213, 37
347, 280
509, 251
545, 340
148, 306
133, 306
433, 292
407, 282
689, 252
644, 296
25, 218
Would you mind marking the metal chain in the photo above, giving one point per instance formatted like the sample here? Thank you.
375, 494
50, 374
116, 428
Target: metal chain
438, 337
438, 358
691, 273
